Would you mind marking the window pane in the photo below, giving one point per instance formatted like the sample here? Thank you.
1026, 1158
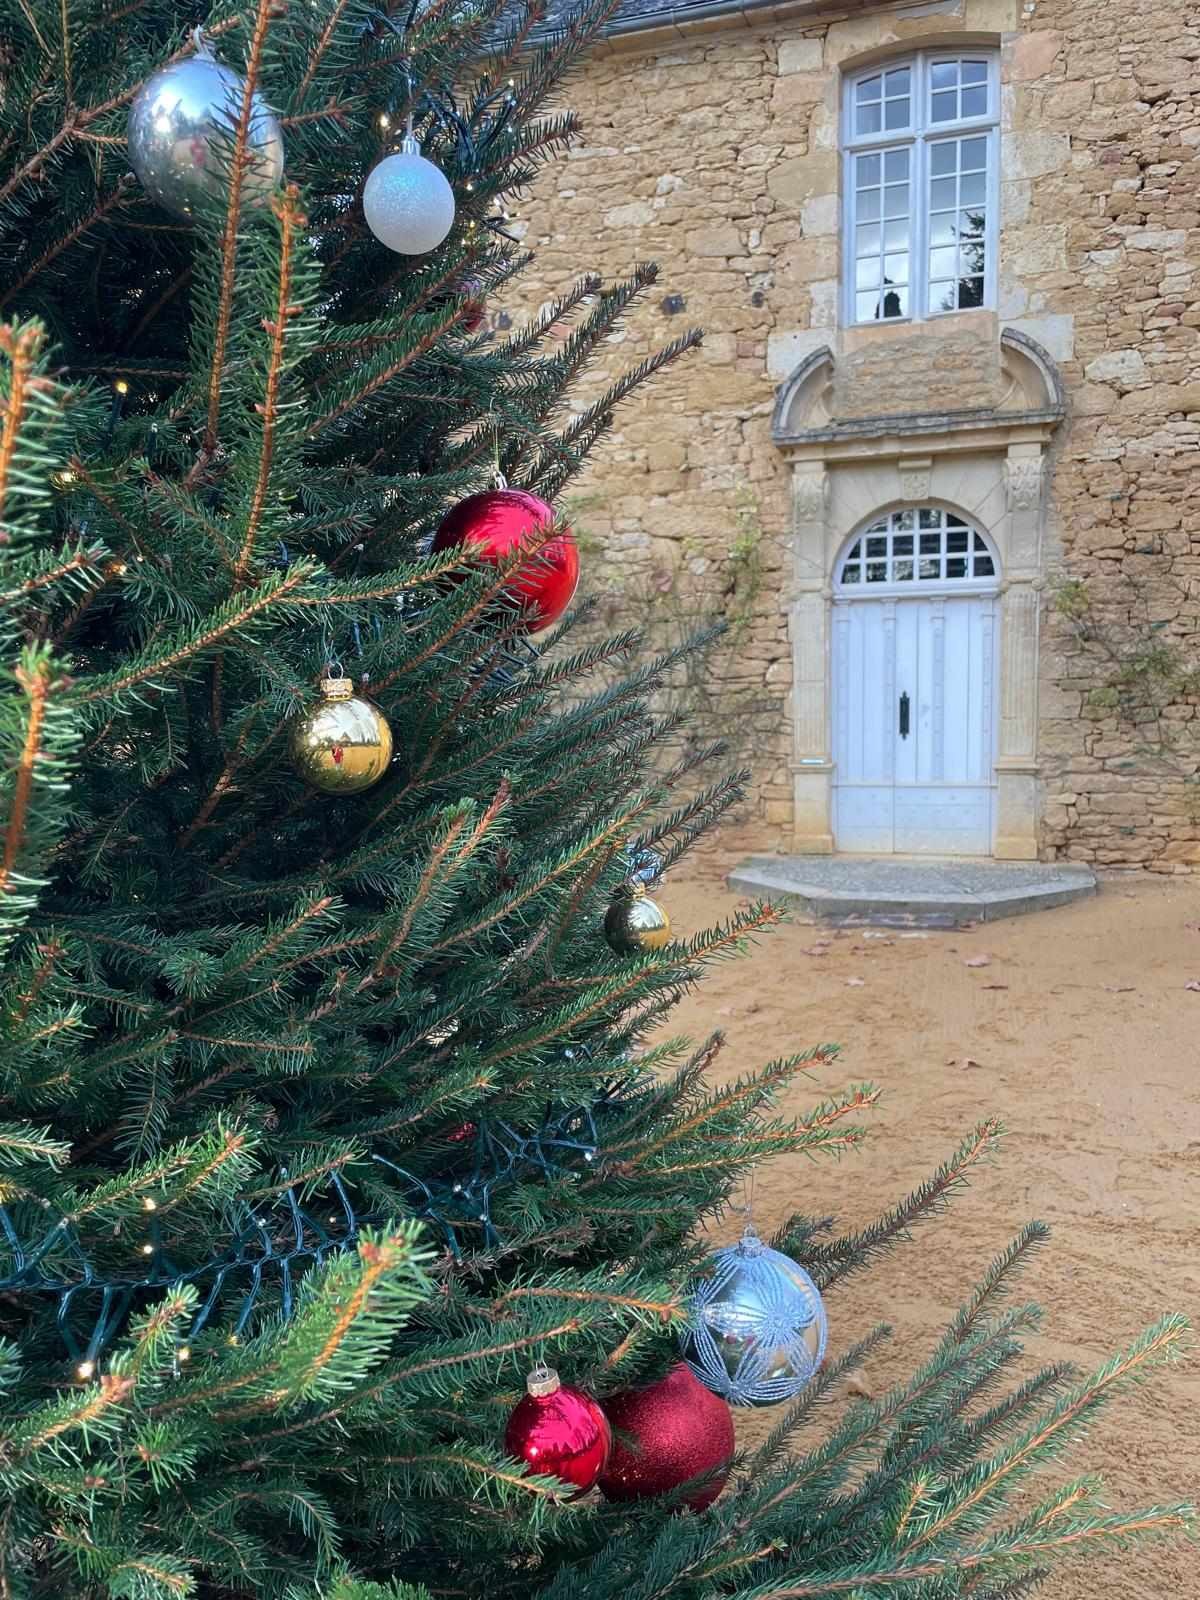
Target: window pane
945, 74
866, 273
866, 205
956, 567
943, 297
985, 567
903, 519
942, 263
895, 200
973, 154
929, 518
902, 544
970, 224
931, 569
941, 228
895, 302
942, 157
866, 171
902, 571
980, 545
970, 292
974, 71
895, 165
876, 571
866, 307
866, 118
956, 539
850, 574
869, 89
898, 81
931, 543
867, 240
974, 102
895, 268
896, 114
943, 194
877, 547
973, 189
895, 235
944, 107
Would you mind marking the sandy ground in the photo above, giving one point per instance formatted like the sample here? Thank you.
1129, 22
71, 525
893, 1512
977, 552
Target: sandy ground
1082, 1037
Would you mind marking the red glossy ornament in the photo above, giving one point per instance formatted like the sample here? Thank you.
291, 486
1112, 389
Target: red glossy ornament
559, 1431
665, 1435
493, 527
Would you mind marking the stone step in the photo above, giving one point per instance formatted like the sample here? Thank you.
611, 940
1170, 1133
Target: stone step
895, 892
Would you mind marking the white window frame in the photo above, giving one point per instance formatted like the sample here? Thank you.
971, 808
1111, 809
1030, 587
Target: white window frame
918, 137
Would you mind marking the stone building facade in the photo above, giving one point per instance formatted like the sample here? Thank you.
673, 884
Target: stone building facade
946, 413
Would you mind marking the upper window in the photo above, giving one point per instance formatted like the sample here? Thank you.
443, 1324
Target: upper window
920, 137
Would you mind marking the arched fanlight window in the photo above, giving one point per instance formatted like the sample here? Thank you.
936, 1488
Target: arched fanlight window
918, 546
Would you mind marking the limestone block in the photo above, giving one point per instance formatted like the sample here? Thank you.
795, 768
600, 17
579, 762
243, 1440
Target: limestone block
720, 239
1033, 153
1031, 55
799, 55
800, 177
787, 348
1055, 333
636, 214
820, 215
1125, 367
1156, 239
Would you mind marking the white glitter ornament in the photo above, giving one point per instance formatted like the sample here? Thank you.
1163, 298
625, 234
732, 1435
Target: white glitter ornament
182, 126
408, 204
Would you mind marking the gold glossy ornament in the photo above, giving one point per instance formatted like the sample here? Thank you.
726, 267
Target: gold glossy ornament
343, 744
634, 923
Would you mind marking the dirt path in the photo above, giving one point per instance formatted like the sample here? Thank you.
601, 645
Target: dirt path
1081, 1036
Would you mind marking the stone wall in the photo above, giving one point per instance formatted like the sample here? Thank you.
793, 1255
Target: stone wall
715, 154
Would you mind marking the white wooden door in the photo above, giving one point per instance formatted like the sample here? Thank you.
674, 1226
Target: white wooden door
914, 724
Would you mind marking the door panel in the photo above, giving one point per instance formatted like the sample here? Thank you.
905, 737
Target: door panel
927, 791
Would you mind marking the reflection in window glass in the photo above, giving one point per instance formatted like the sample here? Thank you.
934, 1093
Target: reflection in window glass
919, 180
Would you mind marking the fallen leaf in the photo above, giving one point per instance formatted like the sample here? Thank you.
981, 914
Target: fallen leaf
1120, 988
969, 1061
1191, 927
994, 986
978, 961
856, 1384
1193, 984
861, 983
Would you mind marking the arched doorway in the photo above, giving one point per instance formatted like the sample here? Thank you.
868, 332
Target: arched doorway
914, 653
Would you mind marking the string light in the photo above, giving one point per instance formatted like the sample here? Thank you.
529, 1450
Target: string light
147, 1203
85, 1370
121, 386
147, 1249
384, 120
184, 1353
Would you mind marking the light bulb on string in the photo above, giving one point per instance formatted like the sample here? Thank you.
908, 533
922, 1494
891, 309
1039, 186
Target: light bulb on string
85, 1370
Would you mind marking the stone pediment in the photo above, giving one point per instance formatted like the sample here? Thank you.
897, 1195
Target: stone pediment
1032, 404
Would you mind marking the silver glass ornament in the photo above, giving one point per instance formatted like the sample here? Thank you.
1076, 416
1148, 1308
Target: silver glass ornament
407, 201
182, 125
756, 1327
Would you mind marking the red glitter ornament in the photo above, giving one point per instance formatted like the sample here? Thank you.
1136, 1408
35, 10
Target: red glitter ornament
666, 1435
493, 526
559, 1431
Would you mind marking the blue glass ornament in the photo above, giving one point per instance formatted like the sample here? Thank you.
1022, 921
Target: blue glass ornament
756, 1327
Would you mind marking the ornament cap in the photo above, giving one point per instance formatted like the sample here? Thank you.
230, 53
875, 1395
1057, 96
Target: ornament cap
636, 889
410, 145
337, 688
542, 1381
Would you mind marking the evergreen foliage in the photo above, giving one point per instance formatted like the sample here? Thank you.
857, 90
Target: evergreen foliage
324, 1119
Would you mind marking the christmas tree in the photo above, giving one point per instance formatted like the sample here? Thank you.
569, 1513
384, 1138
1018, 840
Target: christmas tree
335, 1096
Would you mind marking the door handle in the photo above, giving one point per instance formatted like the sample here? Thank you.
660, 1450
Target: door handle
904, 715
